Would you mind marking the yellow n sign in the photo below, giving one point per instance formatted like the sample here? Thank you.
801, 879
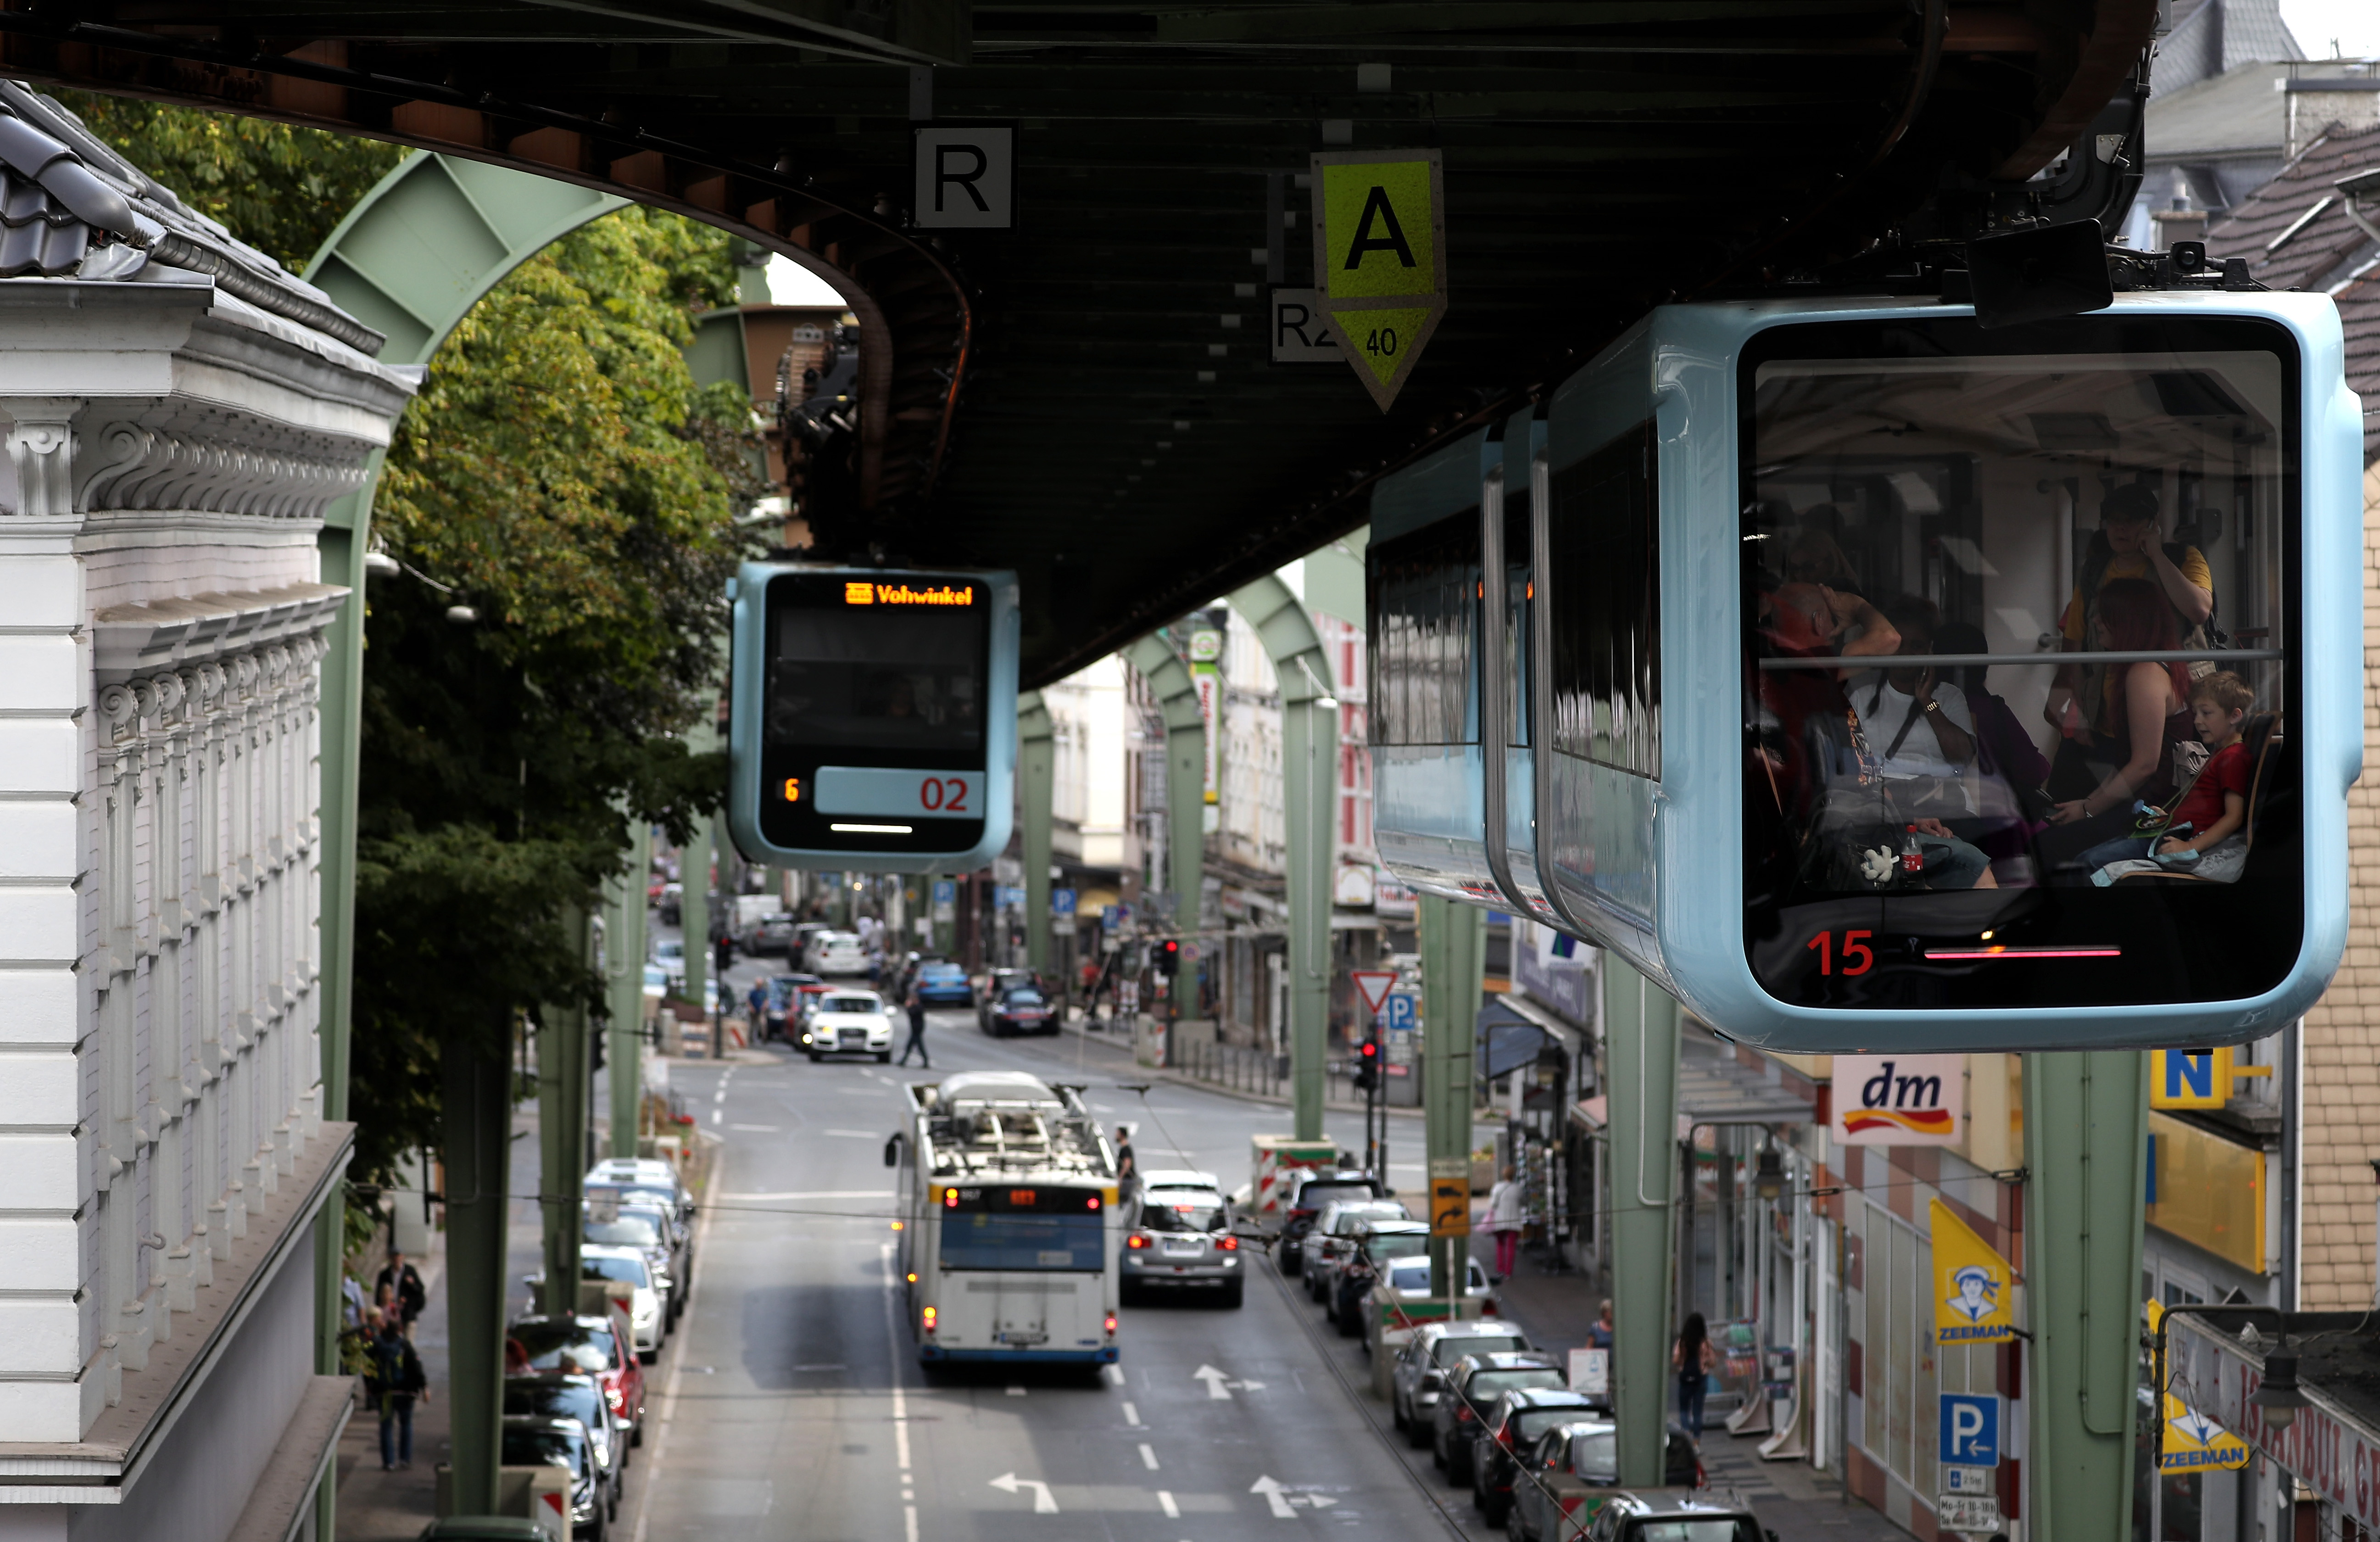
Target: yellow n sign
1379, 257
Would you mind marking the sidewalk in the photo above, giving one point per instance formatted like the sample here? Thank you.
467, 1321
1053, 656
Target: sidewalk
375, 1506
1793, 1499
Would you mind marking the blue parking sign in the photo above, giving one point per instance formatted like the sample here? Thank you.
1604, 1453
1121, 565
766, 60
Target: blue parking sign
1971, 1429
1061, 903
1404, 1011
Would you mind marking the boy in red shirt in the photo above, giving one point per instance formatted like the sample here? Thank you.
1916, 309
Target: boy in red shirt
2207, 820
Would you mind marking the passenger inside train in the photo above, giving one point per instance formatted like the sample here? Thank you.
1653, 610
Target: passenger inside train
2002, 606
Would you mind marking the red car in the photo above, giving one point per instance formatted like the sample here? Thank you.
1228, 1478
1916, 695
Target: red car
600, 1347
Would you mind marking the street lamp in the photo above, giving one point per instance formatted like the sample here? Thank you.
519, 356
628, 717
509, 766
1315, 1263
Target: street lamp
2279, 1397
1769, 1180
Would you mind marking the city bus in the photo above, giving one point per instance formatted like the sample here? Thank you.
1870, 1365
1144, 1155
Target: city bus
1007, 1251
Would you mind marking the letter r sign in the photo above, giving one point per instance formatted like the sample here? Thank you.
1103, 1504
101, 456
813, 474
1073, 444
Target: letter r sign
966, 180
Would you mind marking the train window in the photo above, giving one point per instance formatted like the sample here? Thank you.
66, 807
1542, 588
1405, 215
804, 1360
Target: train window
2018, 619
1604, 568
873, 715
1424, 622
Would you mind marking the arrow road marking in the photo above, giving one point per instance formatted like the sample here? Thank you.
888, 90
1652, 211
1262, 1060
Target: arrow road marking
1283, 1503
1218, 1388
1042, 1503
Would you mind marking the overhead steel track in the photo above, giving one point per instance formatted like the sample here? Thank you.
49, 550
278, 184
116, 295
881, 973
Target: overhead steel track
1086, 398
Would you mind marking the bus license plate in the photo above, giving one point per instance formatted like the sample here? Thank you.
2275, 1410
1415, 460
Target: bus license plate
1024, 1337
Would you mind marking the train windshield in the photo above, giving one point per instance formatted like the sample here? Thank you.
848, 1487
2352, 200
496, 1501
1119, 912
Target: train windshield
2018, 624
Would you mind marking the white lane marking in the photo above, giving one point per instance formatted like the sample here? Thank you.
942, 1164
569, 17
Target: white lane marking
1218, 1389
1131, 1415
806, 1194
909, 1521
851, 1135
1148, 1457
1042, 1503
1016, 1391
1270, 1488
677, 1370
900, 1397
1115, 1376
721, 1096
758, 1129
717, 1116
1165, 1502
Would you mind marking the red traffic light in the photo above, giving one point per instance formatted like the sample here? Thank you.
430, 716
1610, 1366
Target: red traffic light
1371, 1049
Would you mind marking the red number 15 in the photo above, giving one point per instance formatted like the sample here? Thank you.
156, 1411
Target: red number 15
1854, 947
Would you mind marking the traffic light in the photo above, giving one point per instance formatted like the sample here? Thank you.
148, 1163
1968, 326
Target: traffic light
1168, 957
1368, 1065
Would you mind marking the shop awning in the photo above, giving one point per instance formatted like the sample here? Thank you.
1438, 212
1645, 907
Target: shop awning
1714, 1087
1505, 1041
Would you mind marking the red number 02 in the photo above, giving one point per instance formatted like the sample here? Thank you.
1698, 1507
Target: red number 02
943, 797
1854, 946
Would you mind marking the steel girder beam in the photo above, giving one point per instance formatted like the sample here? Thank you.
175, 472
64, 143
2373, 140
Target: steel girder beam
1640, 1039
1309, 797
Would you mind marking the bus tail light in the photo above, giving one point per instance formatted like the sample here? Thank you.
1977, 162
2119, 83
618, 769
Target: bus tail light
1111, 1325
929, 1315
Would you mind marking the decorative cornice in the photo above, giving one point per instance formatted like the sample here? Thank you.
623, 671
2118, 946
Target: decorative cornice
206, 630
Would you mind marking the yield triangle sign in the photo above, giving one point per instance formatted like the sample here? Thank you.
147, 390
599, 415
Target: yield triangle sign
1375, 986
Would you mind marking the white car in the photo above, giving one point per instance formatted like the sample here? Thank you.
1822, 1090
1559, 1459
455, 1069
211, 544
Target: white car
849, 1023
835, 953
628, 1265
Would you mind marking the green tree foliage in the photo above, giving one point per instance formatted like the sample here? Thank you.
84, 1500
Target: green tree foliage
282, 189
561, 474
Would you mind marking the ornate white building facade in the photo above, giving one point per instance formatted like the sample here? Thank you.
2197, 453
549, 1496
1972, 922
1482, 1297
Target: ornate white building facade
177, 411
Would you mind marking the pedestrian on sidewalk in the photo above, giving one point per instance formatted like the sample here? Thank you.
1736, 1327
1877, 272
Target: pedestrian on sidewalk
1505, 1214
916, 1005
394, 1379
1694, 1359
401, 1282
1598, 1332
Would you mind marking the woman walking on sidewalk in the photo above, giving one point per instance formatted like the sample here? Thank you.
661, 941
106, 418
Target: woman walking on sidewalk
394, 1381
1506, 1209
1694, 1359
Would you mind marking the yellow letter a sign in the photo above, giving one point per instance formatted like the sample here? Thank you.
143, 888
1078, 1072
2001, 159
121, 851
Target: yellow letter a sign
1379, 257
1973, 1287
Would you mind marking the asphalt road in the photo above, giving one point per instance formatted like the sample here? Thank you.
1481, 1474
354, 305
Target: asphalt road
789, 1407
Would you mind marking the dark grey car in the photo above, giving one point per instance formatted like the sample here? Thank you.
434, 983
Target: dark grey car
1474, 1383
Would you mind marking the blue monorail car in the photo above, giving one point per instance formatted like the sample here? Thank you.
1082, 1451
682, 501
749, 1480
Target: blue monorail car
1869, 678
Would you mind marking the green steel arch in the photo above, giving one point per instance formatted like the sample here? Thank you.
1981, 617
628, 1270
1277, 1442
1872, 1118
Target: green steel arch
1309, 801
410, 259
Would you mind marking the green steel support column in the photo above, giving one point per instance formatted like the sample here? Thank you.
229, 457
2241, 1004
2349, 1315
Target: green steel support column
1453, 956
478, 1108
1640, 1040
410, 259
625, 965
566, 1074
1185, 773
2086, 1152
693, 907
1036, 791
1309, 769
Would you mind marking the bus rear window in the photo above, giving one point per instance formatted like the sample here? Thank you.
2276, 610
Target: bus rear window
1024, 1241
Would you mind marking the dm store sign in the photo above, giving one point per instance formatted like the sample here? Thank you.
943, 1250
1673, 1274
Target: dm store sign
1898, 1099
